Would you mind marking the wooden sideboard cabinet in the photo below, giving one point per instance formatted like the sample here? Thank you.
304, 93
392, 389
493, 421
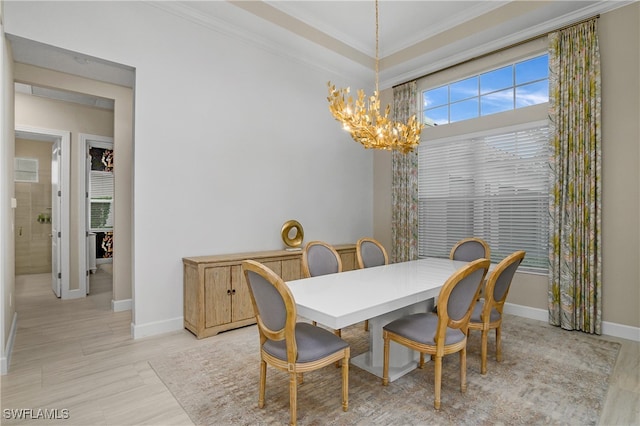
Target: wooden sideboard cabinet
216, 297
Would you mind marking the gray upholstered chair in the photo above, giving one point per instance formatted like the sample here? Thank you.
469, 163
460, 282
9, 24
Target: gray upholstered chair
470, 249
487, 312
444, 333
466, 250
370, 253
320, 258
291, 346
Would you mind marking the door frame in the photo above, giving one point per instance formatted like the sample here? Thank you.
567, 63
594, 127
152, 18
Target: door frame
53, 135
56, 219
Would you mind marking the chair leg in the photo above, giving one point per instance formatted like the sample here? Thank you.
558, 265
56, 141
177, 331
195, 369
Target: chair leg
263, 382
293, 397
314, 323
366, 325
300, 378
438, 382
345, 383
385, 360
463, 369
499, 343
421, 363
483, 351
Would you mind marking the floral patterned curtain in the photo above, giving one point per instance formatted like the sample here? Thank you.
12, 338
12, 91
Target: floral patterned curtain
404, 183
575, 295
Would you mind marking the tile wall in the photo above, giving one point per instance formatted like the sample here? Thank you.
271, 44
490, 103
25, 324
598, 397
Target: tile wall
32, 237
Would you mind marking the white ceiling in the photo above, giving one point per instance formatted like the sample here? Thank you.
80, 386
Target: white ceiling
401, 23
416, 37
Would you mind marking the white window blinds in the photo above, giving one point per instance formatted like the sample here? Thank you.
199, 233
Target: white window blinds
492, 185
101, 191
26, 170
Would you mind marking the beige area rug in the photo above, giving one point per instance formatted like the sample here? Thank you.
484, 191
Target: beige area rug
548, 376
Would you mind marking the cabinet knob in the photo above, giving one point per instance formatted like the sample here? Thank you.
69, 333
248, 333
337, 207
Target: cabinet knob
233, 291
228, 291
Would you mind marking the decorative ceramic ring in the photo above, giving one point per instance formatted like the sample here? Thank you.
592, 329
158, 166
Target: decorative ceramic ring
296, 240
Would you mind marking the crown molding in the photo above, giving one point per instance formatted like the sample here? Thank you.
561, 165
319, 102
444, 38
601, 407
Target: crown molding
239, 24
474, 47
232, 21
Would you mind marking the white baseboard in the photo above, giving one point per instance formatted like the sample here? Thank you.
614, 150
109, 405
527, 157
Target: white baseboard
621, 330
121, 305
526, 312
608, 328
6, 356
157, 327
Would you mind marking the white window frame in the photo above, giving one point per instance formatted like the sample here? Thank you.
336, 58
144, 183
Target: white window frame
479, 94
28, 175
477, 126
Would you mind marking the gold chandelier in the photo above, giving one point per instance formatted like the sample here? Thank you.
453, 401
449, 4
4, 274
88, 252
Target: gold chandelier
366, 124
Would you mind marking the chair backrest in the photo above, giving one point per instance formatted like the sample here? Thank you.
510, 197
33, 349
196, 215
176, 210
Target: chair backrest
273, 305
458, 295
499, 281
470, 249
370, 252
319, 258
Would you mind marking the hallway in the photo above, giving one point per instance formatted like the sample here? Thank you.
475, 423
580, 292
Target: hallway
78, 355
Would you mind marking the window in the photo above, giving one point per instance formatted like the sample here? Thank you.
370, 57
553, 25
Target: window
492, 185
25, 170
517, 85
101, 189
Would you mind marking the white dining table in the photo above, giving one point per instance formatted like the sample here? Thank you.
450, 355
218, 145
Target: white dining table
379, 294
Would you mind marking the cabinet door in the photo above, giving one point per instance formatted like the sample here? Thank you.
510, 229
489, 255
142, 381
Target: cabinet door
348, 260
274, 265
291, 269
217, 295
242, 307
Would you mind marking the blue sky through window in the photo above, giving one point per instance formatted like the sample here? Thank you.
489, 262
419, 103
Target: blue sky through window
514, 86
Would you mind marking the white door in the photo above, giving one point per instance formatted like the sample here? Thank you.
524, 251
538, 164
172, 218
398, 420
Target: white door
56, 228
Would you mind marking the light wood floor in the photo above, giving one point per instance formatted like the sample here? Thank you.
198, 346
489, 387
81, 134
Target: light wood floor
78, 355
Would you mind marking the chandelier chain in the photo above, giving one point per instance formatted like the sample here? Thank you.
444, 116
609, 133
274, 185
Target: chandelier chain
365, 122
377, 52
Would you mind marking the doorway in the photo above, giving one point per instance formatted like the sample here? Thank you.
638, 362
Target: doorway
103, 86
99, 187
42, 184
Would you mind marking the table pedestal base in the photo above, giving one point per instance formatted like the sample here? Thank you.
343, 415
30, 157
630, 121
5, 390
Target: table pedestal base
401, 359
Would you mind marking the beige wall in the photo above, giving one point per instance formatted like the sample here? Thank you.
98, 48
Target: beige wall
39, 112
121, 129
33, 236
620, 64
382, 188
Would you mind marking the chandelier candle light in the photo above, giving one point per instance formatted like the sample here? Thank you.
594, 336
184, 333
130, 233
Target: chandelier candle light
366, 124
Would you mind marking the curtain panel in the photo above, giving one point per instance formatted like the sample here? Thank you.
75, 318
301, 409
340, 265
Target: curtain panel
575, 269
404, 183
